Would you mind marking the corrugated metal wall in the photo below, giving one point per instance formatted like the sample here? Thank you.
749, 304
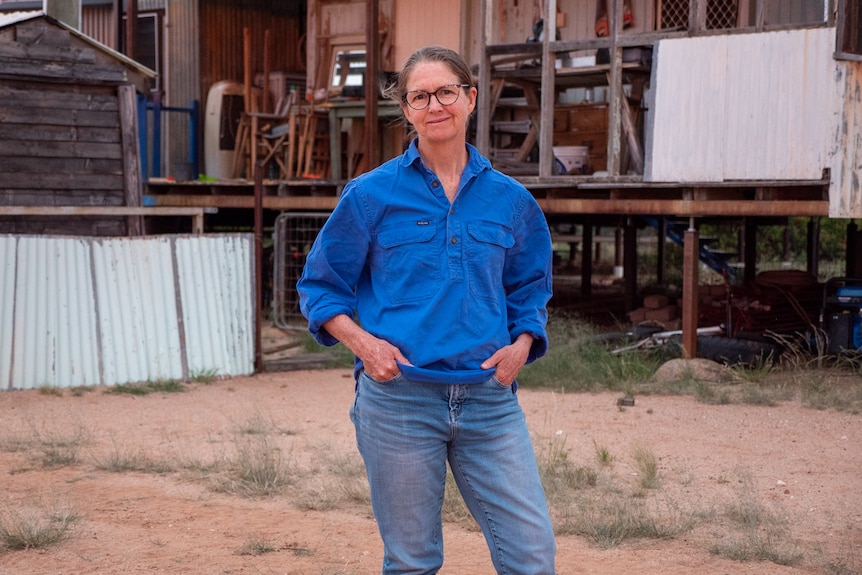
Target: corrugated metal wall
742, 107
91, 311
845, 186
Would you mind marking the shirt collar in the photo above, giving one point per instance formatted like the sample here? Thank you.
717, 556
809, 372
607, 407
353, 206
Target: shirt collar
475, 163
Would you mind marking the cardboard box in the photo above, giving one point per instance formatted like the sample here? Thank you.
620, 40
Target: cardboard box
589, 118
665, 313
561, 119
655, 301
638, 315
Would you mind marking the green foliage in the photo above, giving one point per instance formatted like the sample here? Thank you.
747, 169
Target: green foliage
577, 360
148, 387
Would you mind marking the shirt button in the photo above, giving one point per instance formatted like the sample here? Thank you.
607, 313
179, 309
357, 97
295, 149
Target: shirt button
436, 184
454, 240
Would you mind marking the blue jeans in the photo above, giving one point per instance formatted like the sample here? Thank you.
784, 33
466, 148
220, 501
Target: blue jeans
406, 431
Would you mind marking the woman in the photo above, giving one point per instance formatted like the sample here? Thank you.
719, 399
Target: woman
445, 264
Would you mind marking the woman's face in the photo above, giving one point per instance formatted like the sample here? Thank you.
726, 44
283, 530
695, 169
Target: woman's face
439, 123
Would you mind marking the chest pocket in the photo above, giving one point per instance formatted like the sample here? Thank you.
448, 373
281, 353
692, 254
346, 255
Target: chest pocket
410, 256
487, 257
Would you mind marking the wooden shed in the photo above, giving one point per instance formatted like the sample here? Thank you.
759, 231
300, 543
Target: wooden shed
68, 130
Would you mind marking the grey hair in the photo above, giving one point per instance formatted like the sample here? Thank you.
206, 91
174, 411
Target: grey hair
397, 89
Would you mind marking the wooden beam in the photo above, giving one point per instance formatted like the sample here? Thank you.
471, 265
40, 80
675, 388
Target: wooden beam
132, 184
690, 263
197, 213
372, 66
284, 203
683, 207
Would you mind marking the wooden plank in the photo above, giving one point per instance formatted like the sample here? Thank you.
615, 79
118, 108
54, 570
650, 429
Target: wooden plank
93, 98
58, 117
86, 73
54, 211
43, 197
41, 32
197, 214
84, 55
84, 225
53, 133
22, 165
60, 150
60, 181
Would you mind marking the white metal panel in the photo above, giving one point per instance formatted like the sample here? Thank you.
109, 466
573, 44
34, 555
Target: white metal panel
742, 107
8, 245
845, 185
218, 308
54, 326
780, 99
88, 311
686, 131
137, 309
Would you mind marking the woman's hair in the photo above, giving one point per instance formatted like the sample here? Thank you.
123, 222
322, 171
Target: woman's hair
398, 87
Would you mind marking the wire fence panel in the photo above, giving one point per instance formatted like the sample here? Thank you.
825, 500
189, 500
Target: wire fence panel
294, 233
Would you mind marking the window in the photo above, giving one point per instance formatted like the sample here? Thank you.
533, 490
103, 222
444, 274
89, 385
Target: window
849, 44
148, 45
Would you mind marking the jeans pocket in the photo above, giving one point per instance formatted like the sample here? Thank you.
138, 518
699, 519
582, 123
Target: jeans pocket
398, 376
500, 384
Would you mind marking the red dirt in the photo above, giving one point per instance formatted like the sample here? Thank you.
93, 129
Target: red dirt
801, 462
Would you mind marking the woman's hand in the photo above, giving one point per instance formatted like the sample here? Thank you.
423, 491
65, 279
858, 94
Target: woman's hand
378, 359
378, 355
510, 359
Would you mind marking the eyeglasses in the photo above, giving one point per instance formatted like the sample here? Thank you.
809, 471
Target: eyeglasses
446, 95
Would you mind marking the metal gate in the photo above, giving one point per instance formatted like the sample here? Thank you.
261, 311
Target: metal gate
294, 233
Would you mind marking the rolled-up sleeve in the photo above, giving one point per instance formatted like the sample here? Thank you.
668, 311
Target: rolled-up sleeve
333, 266
528, 278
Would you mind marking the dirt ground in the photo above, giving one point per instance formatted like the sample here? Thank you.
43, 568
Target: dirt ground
148, 484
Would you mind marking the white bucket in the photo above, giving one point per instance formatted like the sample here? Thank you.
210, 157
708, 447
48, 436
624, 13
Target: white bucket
573, 158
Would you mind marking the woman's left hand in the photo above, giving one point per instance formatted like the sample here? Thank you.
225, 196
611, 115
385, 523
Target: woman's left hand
510, 359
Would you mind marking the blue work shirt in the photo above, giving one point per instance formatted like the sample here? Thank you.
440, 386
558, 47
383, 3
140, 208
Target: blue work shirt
446, 283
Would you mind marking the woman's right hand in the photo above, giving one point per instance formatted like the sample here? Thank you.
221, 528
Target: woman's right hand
378, 356
379, 359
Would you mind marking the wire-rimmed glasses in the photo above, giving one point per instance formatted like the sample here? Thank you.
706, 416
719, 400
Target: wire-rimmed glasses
446, 95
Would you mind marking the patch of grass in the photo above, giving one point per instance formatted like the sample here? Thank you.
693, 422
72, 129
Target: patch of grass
710, 394
148, 387
51, 390
757, 533
258, 424
204, 376
578, 360
257, 469
336, 481
608, 520
646, 464
603, 456
80, 390
36, 527
61, 447
558, 473
120, 460
257, 545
